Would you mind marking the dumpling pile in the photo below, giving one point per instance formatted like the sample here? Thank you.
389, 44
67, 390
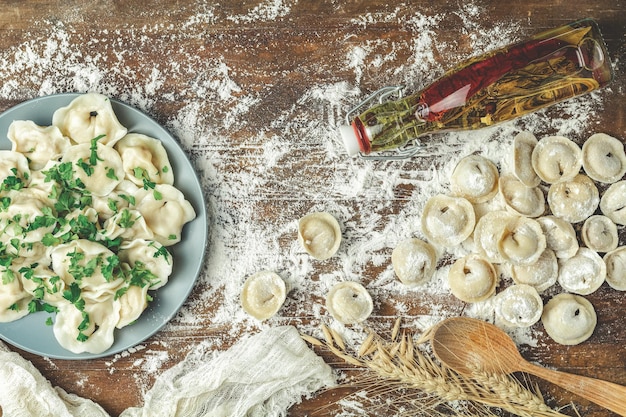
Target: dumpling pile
87, 211
529, 233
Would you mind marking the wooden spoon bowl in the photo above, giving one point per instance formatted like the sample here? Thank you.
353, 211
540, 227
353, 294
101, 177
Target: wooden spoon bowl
471, 346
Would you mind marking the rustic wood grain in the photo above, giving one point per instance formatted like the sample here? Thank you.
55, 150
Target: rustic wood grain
306, 48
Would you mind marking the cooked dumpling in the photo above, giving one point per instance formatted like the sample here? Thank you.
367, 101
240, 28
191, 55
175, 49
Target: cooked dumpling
474, 178
127, 224
523, 146
541, 275
319, 234
165, 211
521, 199
522, 242
615, 262
603, 158
414, 261
448, 221
556, 159
263, 294
569, 319
14, 167
583, 273
613, 202
600, 233
38, 143
145, 159
22, 218
13, 298
132, 303
574, 200
519, 306
472, 278
349, 302
488, 232
150, 255
87, 117
99, 167
560, 236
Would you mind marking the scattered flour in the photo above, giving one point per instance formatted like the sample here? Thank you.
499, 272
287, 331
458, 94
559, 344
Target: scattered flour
254, 217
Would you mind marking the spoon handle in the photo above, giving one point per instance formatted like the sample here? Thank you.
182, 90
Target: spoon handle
607, 394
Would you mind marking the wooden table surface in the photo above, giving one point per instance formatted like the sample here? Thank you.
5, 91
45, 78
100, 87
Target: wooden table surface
230, 79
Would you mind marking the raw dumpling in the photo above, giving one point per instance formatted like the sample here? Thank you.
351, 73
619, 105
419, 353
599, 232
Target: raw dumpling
472, 278
414, 261
99, 167
263, 294
541, 275
583, 273
521, 199
87, 117
38, 143
519, 306
319, 234
556, 159
523, 146
349, 302
603, 158
145, 158
474, 178
488, 232
613, 202
599, 233
448, 221
522, 242
616, 268
560, 236
165, 211
569, 319
574, 200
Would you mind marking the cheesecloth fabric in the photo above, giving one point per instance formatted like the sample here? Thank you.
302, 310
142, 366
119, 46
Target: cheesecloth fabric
260, 376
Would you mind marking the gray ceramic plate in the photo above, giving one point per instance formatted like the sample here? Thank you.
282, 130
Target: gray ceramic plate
31, 333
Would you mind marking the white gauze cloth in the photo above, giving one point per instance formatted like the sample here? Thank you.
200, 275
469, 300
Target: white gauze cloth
260, 376
26, 393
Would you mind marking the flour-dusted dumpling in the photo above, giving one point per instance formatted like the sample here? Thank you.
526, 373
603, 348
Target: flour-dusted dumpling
448, 221
519, 306
523, 145
583, 273
414, 261
319, 234
99, 167
148, 255
89, 116
472, 278
488, 232
132, 303
127, 224
521, 199
569, 319
574, 200
349, 302
522, 242
613, 202
615, 262
263, 294
88, 330
474, 178
14, 169
165, 211
603, 158
40, 144
560, 236
600, 233
145, 159
556, 159
541, 275
13, 298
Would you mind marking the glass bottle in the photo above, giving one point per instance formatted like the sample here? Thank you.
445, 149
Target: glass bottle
495, 87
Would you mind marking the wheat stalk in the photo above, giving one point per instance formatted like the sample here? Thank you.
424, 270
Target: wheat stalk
403, 364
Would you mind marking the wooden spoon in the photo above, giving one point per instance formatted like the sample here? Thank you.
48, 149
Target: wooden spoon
469, 346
